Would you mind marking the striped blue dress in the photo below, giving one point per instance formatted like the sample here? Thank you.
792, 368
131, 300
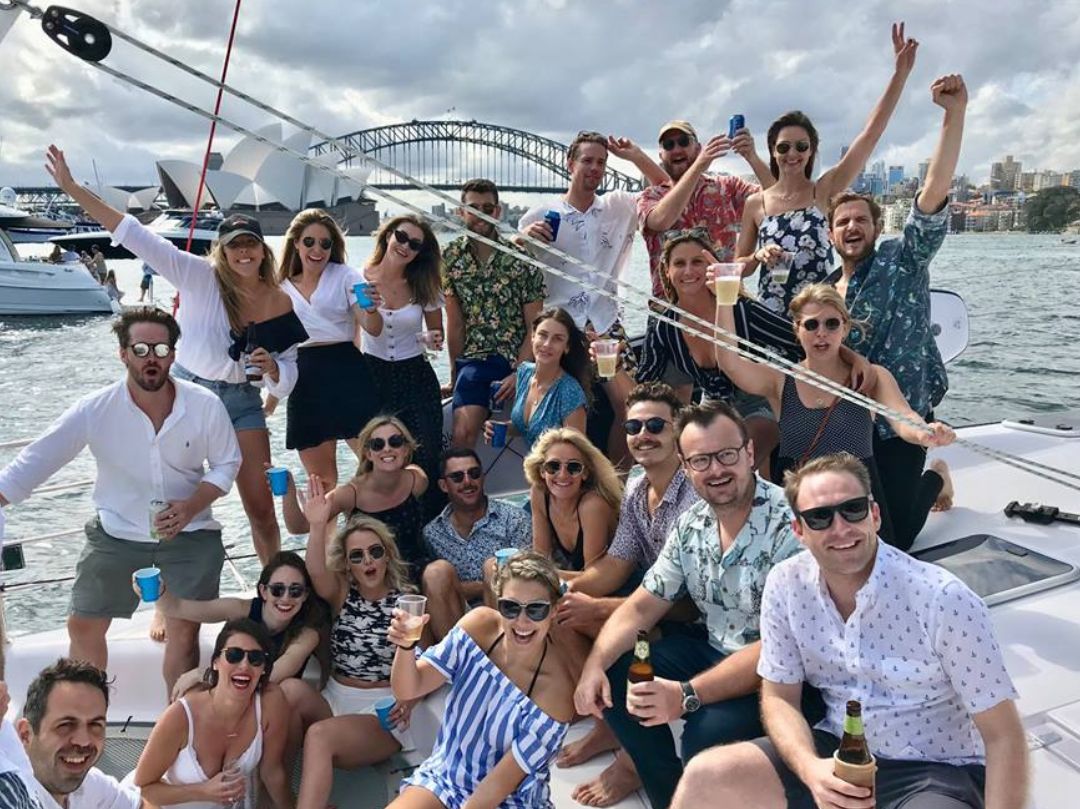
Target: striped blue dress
486, 717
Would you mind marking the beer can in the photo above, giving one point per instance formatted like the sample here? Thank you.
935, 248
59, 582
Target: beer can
156, 507
494, 405
736, 123
553, 219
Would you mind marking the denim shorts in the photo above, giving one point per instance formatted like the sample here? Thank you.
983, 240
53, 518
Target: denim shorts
241, 399
751, 406
474, 378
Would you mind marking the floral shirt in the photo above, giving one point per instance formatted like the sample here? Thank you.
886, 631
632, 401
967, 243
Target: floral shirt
504, 526
725, 586
640, 536
890, 293
491, 298
716, 204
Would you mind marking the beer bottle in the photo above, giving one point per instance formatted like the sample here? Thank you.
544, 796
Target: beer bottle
251, 370
641, 670
853, 749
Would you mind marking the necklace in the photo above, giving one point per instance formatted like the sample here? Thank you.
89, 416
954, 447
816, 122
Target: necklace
236, 725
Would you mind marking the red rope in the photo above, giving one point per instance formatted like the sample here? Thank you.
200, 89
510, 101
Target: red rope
210, 141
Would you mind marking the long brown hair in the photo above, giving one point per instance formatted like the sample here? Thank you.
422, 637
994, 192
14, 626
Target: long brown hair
575, 361
290, 257
424, 273
229, 286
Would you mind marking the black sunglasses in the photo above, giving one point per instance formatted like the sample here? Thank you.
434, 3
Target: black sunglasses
416, 245
821, 517
830, 323
573, 468
278, 589
534, 610
142, 350
725, 457
357, 555
654, 425
309, 241
234, 654
783, 147
487, 208
667, 144
396, 441
474, 473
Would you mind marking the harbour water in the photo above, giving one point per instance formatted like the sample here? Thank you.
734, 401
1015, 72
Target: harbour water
1020, 359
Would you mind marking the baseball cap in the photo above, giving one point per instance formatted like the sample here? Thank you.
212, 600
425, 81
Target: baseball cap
238, 225
681, 126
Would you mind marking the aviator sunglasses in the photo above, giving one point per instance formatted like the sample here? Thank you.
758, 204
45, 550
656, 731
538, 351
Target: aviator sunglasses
573, 468
669, 143
534, 610
416, 245
654, 425
396, 441
783, 147
142, 350
234, 654
309, 242
376, 552
830, 323
821, 517
474, 473
279, 588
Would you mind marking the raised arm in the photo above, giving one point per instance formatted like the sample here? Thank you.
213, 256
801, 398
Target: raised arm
626, 149
668, 210
319, 512
95, 207
748, 375
949, 93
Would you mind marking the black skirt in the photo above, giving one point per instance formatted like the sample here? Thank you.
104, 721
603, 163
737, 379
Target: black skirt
334, 396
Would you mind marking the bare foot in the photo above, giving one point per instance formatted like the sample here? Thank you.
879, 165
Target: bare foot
945, 499
157, 626
598, 740
612, 785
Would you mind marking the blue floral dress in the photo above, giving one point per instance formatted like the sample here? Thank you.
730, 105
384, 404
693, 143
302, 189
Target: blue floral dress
804, 232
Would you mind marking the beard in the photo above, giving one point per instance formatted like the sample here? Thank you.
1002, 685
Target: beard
149, 385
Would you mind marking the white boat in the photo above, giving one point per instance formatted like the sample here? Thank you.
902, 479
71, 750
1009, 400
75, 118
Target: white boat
41, 288
173, 225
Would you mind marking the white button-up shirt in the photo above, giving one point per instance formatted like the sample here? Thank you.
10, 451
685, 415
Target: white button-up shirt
204, 325
328, 316
135, 465
600, 237
400, 335
918, 652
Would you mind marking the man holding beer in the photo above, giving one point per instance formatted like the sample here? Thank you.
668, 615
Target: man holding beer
861, 620
718, 553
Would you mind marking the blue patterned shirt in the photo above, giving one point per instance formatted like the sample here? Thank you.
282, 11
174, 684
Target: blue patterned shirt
504, 526
890, 293
640, 536
725, 586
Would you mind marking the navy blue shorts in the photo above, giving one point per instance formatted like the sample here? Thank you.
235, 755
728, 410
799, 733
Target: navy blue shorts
474, 378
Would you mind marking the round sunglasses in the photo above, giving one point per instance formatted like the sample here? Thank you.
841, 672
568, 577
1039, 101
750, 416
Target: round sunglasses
510, 609
821, 517
474, 473
573, 468
396, 441
416, 245
309, 242
278, 589
830, 323
783, 147
357, 555
142, 350
654, 425
234, 654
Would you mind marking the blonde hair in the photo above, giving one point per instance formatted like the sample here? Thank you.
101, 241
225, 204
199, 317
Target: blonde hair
601, 478
290, 257
365, 436
397, 571
822, 295
229, 285
528, 565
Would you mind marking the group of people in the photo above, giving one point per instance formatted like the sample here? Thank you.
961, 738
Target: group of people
747, 591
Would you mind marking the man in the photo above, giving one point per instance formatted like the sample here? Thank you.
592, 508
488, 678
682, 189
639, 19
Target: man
491, 300
861, 620
150, 437
599, 231
718, 553
888, 289
97, 264
62, 732
464, 536
652, 503
694, 199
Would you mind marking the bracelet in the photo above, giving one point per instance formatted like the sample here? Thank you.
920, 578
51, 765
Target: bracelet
408, 648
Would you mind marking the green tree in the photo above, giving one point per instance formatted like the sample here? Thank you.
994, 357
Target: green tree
1052, 209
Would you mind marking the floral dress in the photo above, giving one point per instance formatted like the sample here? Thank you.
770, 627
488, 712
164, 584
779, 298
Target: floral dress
804, 232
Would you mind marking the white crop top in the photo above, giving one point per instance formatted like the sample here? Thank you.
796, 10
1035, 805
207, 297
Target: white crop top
328, 316
399, 339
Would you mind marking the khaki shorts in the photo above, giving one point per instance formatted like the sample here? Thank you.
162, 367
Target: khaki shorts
190, 566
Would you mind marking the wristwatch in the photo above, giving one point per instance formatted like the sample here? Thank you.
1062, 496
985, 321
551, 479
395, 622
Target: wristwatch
690, 700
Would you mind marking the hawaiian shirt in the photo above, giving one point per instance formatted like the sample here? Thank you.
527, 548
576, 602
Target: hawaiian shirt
491, 297
715, 204
725, 586
889, 300
640, 536
504, 526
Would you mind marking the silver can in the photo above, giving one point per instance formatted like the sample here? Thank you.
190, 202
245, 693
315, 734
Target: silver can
156, 507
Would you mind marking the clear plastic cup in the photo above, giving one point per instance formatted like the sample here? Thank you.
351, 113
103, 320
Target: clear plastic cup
780, 270
727, 280
607, 357
414, 607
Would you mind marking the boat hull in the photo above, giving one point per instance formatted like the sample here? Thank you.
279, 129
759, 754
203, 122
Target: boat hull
35, 288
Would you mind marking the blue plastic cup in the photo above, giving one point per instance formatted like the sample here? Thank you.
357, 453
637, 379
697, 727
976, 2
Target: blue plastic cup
383, 706
279, 480
362, 299
498, 434
148, 580
502, 555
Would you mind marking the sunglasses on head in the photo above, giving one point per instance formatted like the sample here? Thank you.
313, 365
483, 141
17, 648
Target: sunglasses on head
667, 144
830, 323
309, 241
821, 517
234, 654
725, 457
783, 147
534, 610
396, 441
278, 589
654, 425
357, 555
142, 350
474, 473
416, 245
701, 234
573, 468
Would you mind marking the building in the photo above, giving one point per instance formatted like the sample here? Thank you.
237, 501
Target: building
1047, 179
895, 214
924, 168
896, 176
1005, 176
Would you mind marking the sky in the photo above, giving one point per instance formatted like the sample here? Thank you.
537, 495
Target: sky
551, 67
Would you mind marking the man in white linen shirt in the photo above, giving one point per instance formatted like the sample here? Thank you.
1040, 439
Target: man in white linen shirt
862, 620
153, 438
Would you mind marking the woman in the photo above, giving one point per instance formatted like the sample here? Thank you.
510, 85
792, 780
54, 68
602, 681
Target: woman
789, 215
226, 295
575, 499
334, 396
552, 391
814, 422
510, 701
111, 289
235, 730
361, 575
405, 268
387, 486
